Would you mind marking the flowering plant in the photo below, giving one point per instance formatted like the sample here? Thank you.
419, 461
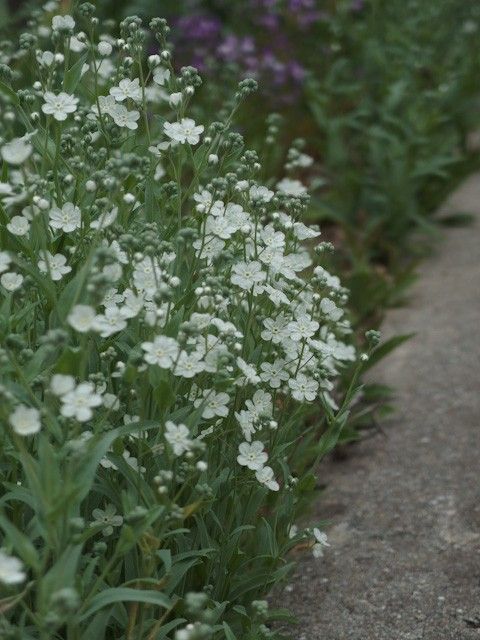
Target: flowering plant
164, 334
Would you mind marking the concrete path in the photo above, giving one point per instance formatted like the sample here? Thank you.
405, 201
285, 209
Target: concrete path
404, 508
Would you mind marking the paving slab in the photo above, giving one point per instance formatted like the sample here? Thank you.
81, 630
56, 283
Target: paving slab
404, 507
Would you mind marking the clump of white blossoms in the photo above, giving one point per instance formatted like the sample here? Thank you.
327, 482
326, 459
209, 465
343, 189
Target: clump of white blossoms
163, 331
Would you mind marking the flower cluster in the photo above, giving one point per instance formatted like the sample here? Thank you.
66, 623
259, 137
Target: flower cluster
163, 323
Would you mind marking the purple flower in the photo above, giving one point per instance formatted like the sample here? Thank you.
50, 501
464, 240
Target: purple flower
357, 6
197, 37
234, 48
304, 12
198, 27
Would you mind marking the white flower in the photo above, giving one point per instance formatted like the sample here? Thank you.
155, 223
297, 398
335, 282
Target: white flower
220, 227
298, 261
178, 436
303, 327
146, 275
189, 365
235, 214
25, 420
56, 265
291, 187
11, 569
79, 402
273, 239
242, 185
330, 309
112, 272
175, 98
248, 371
261, 193
5, 261
6, 189
76, 44
112, 321
112, 298
120, 254
59, 106
265, 476
204, 200
45, 58
274, 373
63, 23
17, 151
247, 274
111, 401
105, 70
302, 232
247, 424
132, 304
29, 212
11, 281
320, 544
125, 118
161, 75
81, 318
19, 226
184, 131
303, 388
333, 282
276, 329
252, 455
133, 462
104, 48
163, 351
260, 404
105, 220
107, 518
127, 89
339, 350
158, 149
155, 94
216, 404
68, 218
107, 104
320, 537
209, 249
61, 384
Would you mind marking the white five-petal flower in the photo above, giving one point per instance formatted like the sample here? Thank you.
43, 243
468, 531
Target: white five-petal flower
68, 218
56, 265
184, 131
59, 105
79, 402
252, 455
127, 89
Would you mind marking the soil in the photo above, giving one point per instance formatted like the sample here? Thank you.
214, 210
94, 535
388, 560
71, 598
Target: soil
404, 506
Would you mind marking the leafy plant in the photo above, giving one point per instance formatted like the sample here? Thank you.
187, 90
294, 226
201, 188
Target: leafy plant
165, 337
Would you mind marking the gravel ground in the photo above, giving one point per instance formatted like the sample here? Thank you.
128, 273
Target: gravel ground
404, 507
